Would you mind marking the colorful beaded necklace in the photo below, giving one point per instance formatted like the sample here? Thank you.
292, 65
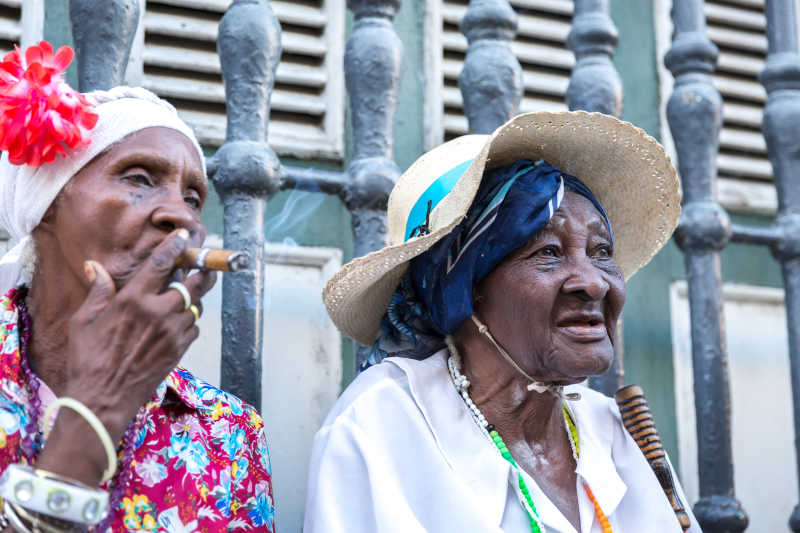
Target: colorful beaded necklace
32, 443
462, 385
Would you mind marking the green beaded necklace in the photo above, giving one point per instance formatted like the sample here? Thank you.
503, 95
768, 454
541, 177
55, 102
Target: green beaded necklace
533, 514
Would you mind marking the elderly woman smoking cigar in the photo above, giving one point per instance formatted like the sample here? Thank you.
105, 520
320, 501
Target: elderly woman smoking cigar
499, 293
103, 193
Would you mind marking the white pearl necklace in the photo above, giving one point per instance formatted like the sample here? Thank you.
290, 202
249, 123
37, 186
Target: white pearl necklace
462, 383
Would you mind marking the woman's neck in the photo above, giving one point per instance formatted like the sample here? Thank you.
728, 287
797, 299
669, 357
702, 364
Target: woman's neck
501, 393
55, 294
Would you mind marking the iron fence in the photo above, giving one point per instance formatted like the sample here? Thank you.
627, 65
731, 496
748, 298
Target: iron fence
246, 172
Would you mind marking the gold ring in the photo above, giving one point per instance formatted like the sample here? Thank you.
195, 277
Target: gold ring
195, 311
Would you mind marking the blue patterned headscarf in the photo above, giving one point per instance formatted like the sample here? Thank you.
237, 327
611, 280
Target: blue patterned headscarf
513, 204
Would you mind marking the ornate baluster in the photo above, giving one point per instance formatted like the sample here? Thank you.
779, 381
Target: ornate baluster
694, 112
491, 80
372, 65
781, 126
103, 33
594, 84
246, 173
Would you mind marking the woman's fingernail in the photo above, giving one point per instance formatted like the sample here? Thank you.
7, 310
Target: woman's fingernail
88, 270
183, 233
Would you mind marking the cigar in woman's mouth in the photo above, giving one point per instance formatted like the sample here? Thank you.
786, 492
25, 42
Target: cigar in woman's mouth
211, 259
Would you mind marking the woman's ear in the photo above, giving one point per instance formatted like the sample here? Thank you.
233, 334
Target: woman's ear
49, 214
49, 217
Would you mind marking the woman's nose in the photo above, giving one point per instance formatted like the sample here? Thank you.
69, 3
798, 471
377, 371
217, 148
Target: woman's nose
173, 213
587, 281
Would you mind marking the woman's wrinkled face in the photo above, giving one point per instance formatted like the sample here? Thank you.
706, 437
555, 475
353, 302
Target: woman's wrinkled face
554, 303
122, 204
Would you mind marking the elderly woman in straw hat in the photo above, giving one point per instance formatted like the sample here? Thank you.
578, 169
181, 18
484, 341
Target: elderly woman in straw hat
103, 193
499, 294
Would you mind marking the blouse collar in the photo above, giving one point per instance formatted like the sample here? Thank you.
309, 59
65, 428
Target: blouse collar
474, 458
463, 444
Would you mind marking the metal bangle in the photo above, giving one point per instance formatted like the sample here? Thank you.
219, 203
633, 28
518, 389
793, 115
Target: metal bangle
3, 521
37, 522
14, 520
95, 423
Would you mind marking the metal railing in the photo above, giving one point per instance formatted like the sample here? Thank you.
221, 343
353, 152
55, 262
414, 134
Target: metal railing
246, 172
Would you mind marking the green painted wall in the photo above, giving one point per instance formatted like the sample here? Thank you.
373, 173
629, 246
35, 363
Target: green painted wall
58, 31
635, 59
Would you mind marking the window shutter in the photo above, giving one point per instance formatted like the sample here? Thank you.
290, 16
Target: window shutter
738, 28
10, 24
180, 63
540, 46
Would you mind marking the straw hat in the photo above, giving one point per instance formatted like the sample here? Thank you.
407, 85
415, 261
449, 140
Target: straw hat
626, 169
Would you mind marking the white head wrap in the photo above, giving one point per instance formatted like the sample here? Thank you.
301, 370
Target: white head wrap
27, 192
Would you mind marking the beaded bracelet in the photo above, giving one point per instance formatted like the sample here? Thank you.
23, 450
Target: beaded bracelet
95, 423
53, 495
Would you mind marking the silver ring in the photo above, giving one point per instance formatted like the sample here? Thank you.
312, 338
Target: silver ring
181, 288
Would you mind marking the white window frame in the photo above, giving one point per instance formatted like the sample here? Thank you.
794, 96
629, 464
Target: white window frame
434, 84
743, 393
32, 22
308, 379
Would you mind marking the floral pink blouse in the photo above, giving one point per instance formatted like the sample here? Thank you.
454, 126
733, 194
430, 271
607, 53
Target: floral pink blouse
201, 462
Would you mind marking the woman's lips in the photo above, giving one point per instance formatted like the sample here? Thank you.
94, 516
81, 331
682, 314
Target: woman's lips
585, 332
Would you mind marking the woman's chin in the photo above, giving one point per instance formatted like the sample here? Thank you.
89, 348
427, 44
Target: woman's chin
574, 364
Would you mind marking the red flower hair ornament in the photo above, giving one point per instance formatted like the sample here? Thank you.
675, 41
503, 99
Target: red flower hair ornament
40, 114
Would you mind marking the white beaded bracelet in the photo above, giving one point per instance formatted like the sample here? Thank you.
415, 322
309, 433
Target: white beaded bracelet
95, 423
52, 495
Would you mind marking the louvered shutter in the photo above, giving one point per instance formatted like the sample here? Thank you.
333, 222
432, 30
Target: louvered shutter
10, 24
180, 62
738, 28
540, 46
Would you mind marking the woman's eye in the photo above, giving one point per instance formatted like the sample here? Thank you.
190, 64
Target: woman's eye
603, 252
547, 251
194, 201
139, 179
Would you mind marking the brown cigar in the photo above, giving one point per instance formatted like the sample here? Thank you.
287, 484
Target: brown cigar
639, 422
210, 259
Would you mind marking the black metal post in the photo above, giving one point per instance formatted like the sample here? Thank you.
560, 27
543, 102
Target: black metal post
372, 62
103, 36
246, 174
781, 127
491, 80
694, 112
594, 84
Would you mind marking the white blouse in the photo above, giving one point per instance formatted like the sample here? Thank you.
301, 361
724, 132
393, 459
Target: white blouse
400, 451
